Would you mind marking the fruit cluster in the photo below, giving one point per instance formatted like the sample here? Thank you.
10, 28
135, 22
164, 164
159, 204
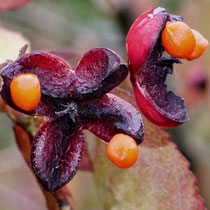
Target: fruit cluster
41, 83
150, 35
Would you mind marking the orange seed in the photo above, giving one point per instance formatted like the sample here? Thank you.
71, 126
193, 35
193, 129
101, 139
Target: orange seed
178, 39
25, 91
201, 45
122, 150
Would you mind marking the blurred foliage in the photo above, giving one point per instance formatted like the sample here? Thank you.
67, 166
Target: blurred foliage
6, 133
80, 25
171, 5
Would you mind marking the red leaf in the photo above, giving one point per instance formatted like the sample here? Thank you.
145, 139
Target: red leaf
12, 4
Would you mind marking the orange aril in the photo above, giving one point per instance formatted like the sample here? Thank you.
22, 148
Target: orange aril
178, 39
201, 45
25, 91
122, 150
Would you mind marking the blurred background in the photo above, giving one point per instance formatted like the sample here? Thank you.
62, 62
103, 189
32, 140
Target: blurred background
80, 25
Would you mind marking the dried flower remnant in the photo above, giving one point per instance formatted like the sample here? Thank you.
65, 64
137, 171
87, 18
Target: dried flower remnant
149, 68
73, 100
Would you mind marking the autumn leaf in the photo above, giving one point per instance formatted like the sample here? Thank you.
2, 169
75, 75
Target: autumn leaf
12, 4
23, 142
160, 179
